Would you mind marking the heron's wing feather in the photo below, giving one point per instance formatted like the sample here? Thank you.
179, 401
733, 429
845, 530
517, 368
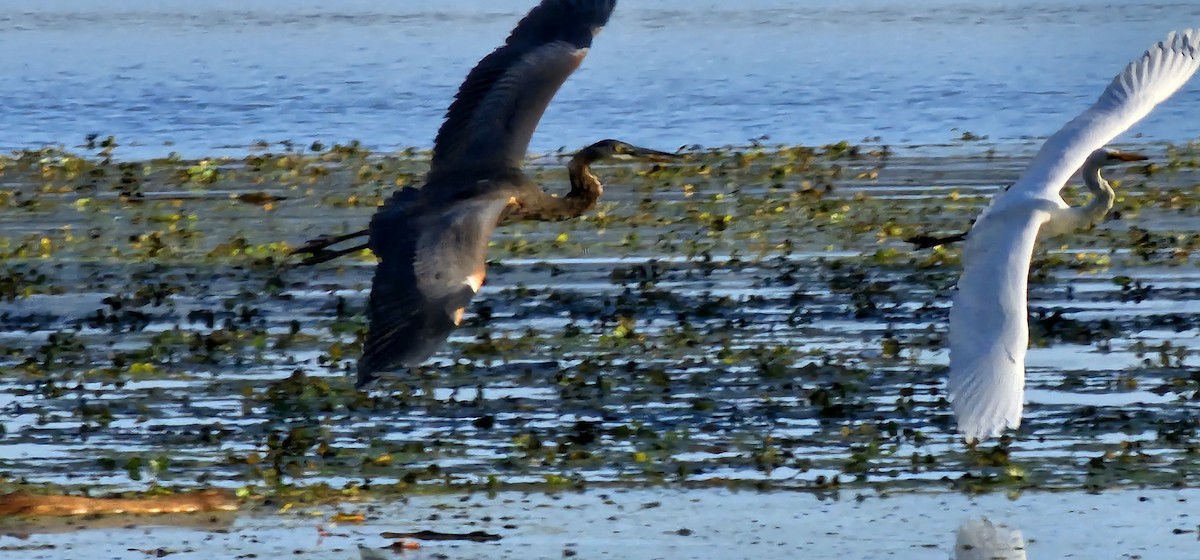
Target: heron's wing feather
507, 117
430, 267
1144, 83
499, 105
989, 329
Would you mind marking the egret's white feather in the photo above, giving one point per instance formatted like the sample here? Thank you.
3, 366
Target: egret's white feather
980, 539
1131, 95
989, 325
989, 329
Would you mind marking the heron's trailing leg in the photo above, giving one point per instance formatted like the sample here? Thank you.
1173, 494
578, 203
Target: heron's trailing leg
322, 255
1069, 219
923, 241
314, 245
317, 250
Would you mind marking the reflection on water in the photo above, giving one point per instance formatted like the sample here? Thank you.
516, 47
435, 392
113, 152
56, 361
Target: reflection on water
652, 524
666, 73
980, 539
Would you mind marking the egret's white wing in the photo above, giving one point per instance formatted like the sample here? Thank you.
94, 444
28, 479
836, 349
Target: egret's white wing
989, 329
1146, 82
989, 324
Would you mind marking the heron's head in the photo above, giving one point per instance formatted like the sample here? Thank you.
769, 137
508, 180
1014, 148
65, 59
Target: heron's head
1105, 156
616, 149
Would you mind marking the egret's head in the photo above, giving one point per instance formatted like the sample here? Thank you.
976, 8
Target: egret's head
1105, 156
616, 149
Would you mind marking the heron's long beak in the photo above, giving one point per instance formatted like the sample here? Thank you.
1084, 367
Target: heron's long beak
1127, 156
652, 155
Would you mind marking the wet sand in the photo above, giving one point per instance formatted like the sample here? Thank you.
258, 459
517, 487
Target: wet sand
669, 524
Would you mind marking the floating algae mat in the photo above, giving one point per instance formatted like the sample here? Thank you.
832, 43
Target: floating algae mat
751, 317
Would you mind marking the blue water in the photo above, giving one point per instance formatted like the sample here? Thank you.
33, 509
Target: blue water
205, 77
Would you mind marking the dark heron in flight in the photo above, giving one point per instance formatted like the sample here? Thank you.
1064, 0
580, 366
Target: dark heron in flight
432, 242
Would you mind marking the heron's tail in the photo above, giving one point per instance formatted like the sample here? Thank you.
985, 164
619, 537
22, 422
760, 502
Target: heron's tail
365, 376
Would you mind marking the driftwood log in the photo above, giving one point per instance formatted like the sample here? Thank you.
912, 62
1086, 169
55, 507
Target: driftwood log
26, 504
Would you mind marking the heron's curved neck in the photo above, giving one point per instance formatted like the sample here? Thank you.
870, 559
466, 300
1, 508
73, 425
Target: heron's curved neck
1102, 195
1095, 210
586, 188
541, 206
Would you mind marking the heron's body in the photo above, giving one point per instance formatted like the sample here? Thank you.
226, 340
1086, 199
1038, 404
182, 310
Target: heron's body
432, 250
989, 330
432, 242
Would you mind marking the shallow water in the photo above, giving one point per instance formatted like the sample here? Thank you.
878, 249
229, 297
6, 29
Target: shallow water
670, 73
792, 343
654, 524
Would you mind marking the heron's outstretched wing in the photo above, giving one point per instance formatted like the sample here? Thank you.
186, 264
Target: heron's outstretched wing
503, 98
430, 267
989, 323
1144, 83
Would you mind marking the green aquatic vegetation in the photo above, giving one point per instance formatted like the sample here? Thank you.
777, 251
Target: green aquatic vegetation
1186, 156
60, 350
18, 282
203, 173
709, 327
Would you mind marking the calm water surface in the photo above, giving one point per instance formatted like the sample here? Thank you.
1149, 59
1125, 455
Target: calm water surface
656, 524
198, 78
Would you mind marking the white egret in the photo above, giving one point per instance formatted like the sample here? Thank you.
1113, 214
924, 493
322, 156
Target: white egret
989, 330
